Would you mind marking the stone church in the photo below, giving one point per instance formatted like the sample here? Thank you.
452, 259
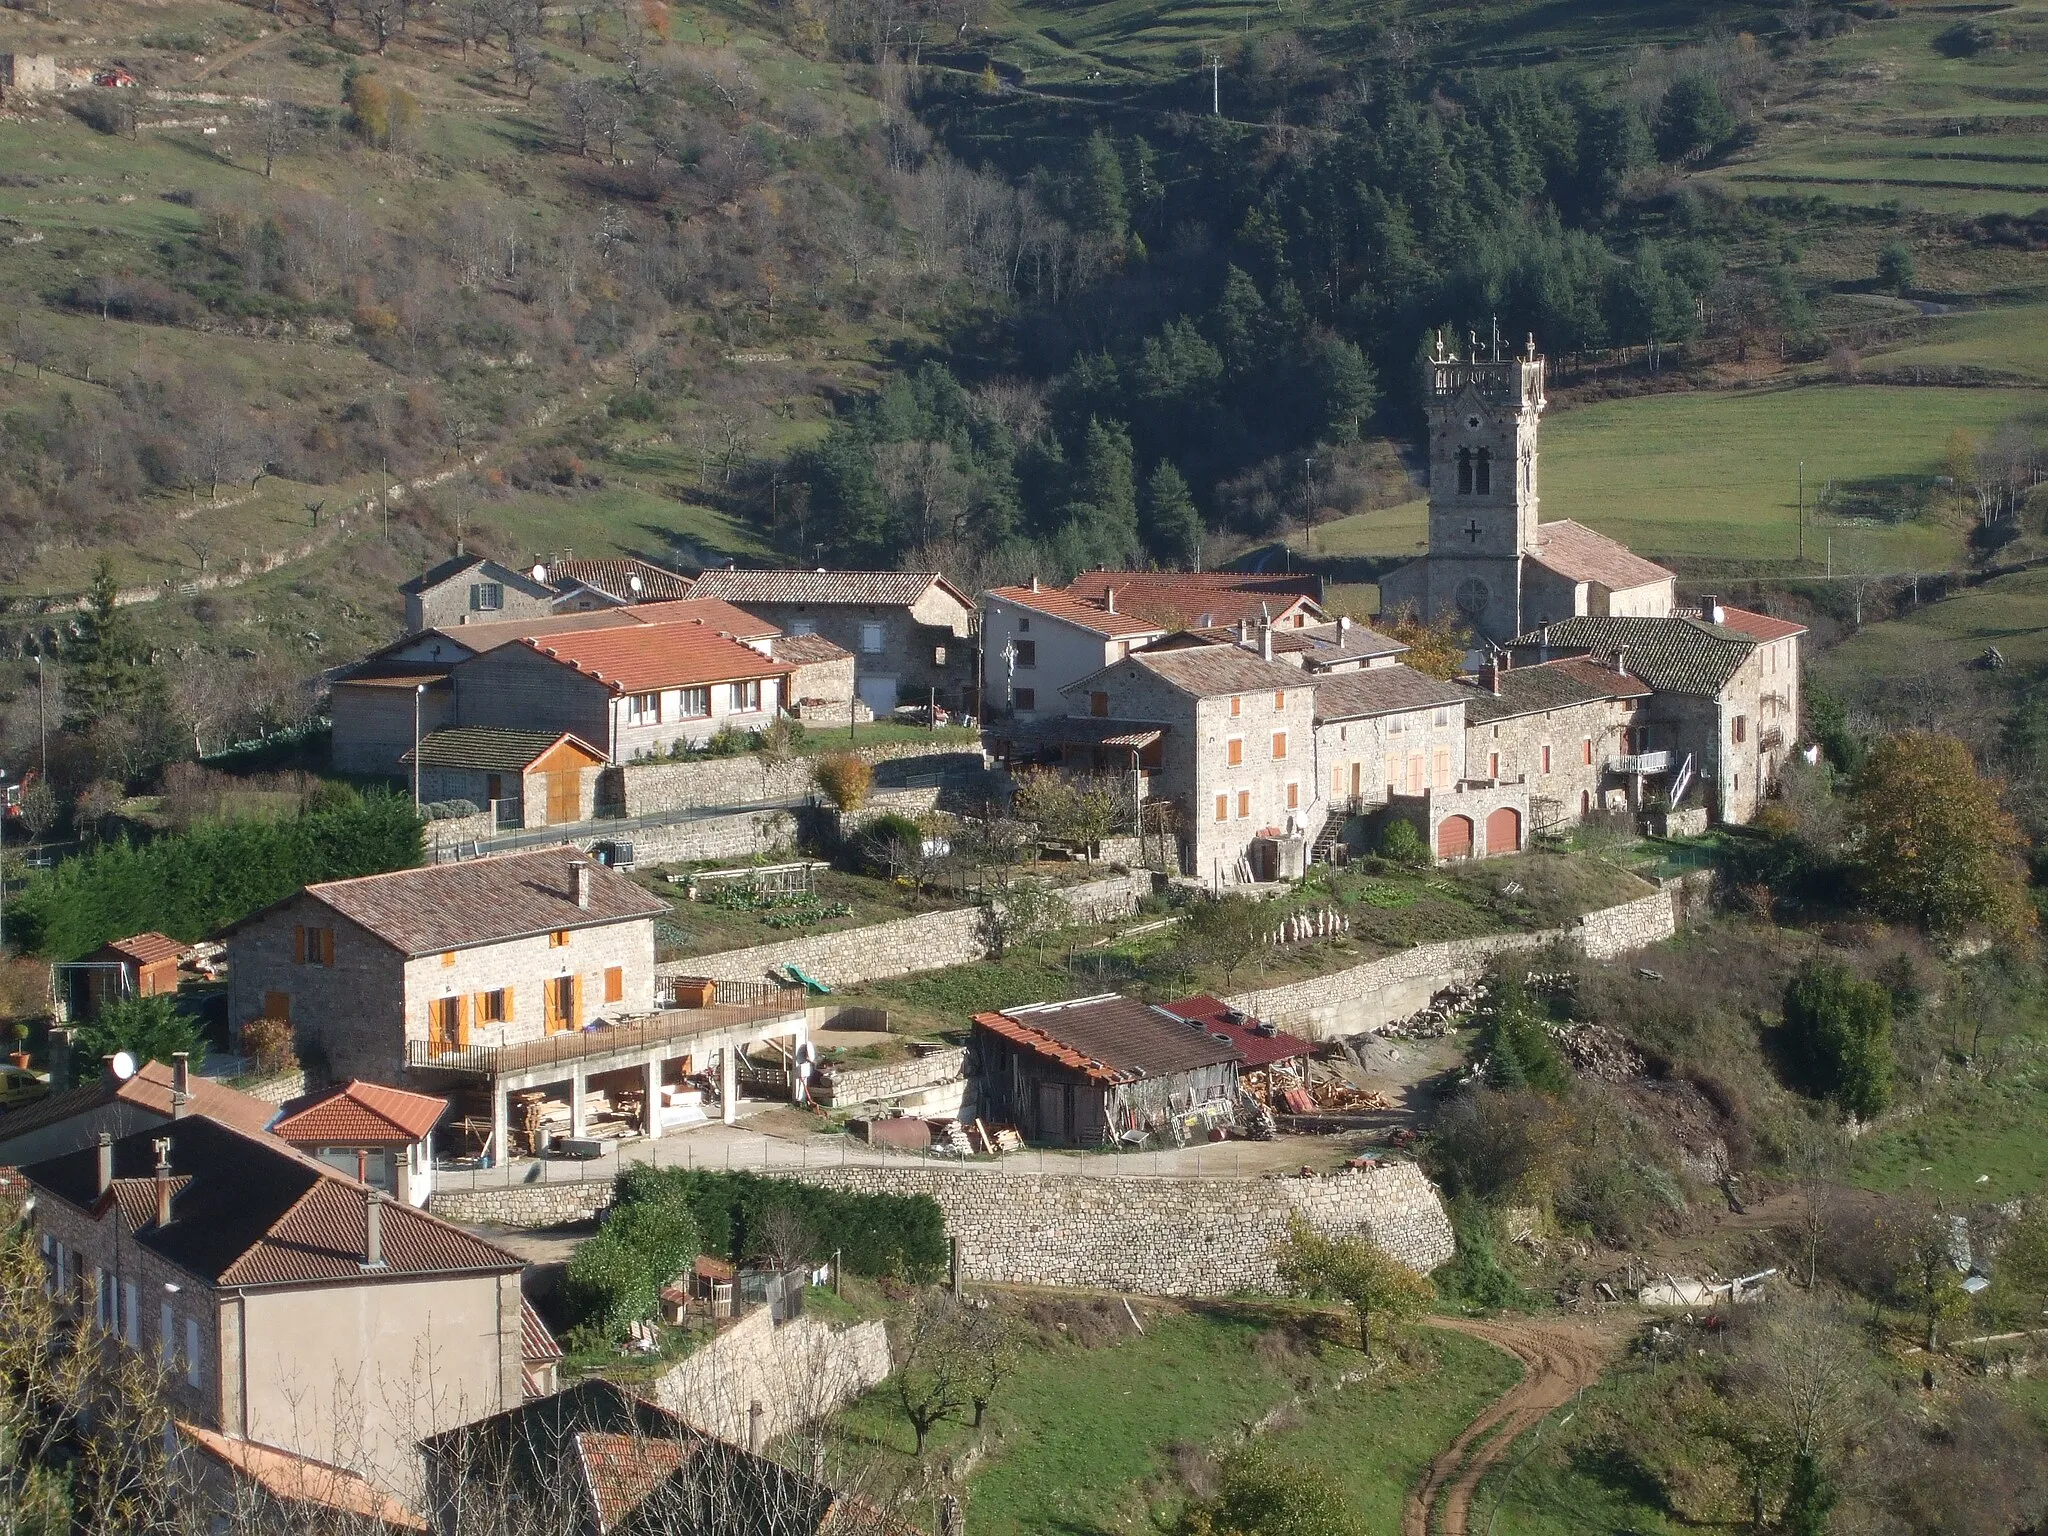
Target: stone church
1493, 564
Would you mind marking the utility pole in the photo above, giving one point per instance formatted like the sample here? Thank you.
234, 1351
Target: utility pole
42, 721
419, 691
1802, 511
1216, 85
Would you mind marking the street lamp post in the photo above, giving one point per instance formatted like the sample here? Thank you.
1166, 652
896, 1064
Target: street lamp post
419, 691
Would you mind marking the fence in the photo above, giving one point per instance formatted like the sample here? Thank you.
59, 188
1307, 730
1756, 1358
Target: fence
740, 1002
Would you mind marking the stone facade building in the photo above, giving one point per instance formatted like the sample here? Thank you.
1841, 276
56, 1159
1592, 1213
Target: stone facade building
1492, 564
522, 778
1561, 727
283, 1303
1385, 730
387, 970
471, 589
1035, 641
911, 633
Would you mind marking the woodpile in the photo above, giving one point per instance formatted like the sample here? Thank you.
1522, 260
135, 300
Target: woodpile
1449, 1008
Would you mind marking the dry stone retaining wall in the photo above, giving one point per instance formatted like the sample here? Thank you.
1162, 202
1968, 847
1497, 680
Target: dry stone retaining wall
796, 1373
1380, 991
926, 942
859, 1085
649, 788
1160, 1237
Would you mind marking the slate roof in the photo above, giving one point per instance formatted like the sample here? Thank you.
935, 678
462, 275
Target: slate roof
150, 1089
252, 1211
1577, 553
147, 948
650, 657
1549, 685
1082, 612
456, 565
1219, 1018
482, 901
293, 1479
1110, 1039
489, 749
1382, 691
1209, 671
360, 1114
1678, 654
614, 577
869, 589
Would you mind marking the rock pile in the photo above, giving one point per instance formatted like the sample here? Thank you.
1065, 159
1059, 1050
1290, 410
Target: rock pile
1596, 1051
1447, 1009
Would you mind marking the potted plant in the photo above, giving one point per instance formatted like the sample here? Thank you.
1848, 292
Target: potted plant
19, 1055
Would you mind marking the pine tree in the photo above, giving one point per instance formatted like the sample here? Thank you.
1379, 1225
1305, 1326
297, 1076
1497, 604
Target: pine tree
104, 678
1108, 485
1173, 528
1099, 205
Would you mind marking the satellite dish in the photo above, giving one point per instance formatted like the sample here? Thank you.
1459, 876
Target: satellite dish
124, 1065
539, 573
633, 583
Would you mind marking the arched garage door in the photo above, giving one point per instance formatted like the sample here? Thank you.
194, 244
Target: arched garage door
1454, 837
1504, 830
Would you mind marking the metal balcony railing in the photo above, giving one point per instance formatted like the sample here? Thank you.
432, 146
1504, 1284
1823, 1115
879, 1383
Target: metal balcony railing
1640, 762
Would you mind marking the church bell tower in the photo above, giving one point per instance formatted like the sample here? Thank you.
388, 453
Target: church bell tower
1483, 412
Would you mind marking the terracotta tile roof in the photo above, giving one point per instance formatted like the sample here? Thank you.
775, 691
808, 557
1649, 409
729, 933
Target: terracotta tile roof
537, 1345
481, 901
1094, 583
620, 1471
490, 749
1382, 691
1081, 612
1758, 626
252, 1211
1673, 655
295, 1479
1109, 1039
1577, 553
615, 577
147, 948
884, 589
1550, 685
647, 657
808, 650
1184, 607
711, 613
1205, 672
150, 1089
1258, 1050
360, 1114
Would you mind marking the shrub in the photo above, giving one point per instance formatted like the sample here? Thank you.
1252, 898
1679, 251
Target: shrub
147, 1028
844, 778
608, 1285
1895, 267
1259, 1495
728, 741
268, 1045
888, 843
1839, 1037
1400, 843
1477, 1277
897, 1235
191, 884
1520, 1052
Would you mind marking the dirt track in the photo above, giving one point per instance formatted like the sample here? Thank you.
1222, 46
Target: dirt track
1559, 1358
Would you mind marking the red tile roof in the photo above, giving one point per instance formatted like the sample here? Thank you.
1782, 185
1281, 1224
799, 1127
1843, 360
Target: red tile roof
1577, 553
483, 901
709, 612
648, 657
1258, 1049
1758, 626
1083, 613
537, 1345
620, 1471
150, 1089
360, 1114
1094, 583
1188, 607
148, 948
295, 1479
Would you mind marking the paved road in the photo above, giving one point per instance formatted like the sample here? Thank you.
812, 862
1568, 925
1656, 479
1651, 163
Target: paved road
1560, 1357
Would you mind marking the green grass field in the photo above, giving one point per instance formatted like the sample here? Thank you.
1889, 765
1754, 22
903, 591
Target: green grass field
1715, 477
2010, 613
1566, 1480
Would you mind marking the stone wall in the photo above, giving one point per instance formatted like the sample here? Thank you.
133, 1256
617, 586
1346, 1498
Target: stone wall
647, 789
859, 1085
929, 941
1161, 1237
797, 1373
1380, 991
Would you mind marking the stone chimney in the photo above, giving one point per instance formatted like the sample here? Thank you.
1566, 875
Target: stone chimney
1244, 631
1265, 640
1711, 609
373, 1230
1034, 583
1621, 661
181, 1084
106, 1162
163, 1180
1109, 597
579, 883
1493, 672
757, 1426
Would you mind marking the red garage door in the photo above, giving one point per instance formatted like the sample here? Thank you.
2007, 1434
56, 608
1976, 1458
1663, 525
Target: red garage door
1504, 830
1454, 837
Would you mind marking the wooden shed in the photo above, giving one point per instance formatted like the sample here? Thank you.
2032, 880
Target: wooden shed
1097, 1069
141, 965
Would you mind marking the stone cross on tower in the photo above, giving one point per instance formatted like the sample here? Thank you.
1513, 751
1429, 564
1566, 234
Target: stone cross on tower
1473, 530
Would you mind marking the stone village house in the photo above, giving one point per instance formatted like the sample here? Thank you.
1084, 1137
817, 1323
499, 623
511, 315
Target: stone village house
285, 1303
911, 633
377, 1135
1563, 728
471, 589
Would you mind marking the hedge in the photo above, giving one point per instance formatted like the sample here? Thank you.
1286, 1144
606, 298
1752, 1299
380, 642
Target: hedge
616, 1278
897, 1235
190, 885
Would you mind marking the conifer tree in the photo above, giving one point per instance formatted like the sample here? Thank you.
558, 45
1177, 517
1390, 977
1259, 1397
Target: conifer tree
1172, 526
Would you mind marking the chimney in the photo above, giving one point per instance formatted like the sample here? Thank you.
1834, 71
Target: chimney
1266, 640
163, 1180
1244, 631
579, 883
106, 1162
181, 1084
757, 1427
1034, 583
1109, 597
1493, 679
1621, 661
373, 1230
1711, 610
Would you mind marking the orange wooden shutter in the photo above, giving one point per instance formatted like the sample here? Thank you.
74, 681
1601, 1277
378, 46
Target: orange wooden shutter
462, 1023
615, 984
508, 1005
299, 945
327, 947
575, 1002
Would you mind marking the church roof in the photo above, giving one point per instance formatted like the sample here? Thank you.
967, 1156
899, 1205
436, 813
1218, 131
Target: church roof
1676, 654
1577, 553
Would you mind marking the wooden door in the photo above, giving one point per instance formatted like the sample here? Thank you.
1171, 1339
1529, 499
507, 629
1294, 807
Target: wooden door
447, 1025
560, 995
1051, 1104
278, 1006
1357, 780
564, 796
